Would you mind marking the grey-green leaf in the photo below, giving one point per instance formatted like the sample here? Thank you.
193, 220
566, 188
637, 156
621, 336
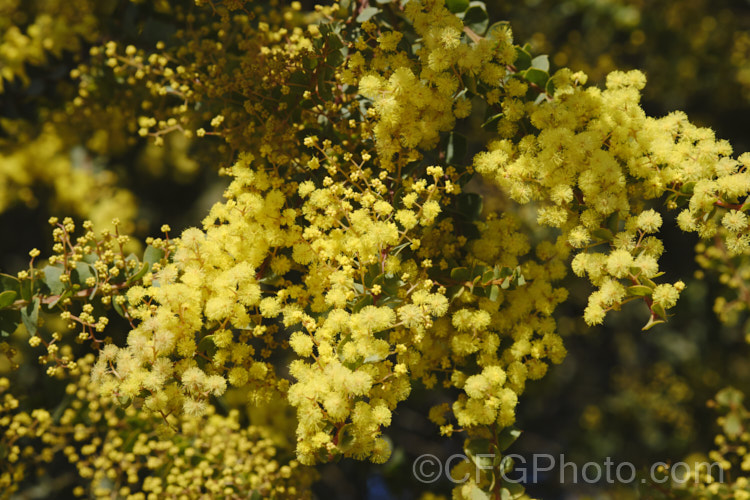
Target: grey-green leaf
30, 316
7, 298
639, 290
507, 437
367, 14
537, 77
476, 18
541, 62
52, 279
457, 6
140, 274
81, 273
9, 320
152, 255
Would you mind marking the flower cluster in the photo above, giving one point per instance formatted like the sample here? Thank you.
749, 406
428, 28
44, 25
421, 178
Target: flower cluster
593, 163
125, 452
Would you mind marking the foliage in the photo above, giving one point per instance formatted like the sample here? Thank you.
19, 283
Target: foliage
350, 263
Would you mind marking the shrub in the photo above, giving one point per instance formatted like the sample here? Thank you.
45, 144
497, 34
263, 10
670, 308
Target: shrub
350, 263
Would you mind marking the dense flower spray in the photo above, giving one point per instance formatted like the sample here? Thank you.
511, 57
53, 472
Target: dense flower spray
348, 260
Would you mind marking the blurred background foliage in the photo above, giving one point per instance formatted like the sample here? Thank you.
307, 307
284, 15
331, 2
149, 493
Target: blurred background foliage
621, 393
